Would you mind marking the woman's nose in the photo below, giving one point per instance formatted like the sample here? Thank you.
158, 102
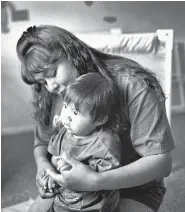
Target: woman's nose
51, 85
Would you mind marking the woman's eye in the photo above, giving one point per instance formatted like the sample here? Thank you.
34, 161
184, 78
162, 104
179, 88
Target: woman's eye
52, 73
65, 106
75, 112
43, 82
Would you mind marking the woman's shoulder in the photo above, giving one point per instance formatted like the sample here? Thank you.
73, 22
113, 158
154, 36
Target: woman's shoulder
129, 84
124, 73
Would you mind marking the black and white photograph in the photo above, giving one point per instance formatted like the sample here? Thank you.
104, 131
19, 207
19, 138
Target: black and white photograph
92, 106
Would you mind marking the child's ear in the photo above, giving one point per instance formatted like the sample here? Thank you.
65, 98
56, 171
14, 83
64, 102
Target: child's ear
102, 121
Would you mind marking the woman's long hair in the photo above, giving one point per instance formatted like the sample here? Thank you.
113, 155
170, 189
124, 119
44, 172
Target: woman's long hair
43, 45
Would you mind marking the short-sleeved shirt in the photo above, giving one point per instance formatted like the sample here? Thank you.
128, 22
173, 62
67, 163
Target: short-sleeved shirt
145, 131
100, 150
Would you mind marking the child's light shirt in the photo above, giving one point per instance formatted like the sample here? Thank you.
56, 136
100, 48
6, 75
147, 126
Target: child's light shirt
101, 151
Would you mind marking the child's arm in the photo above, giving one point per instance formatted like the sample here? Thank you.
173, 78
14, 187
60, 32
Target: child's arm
107, 155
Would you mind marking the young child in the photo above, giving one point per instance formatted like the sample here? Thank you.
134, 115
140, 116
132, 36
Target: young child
90, 121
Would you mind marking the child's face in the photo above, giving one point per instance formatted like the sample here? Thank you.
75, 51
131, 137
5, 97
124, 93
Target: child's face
78, 123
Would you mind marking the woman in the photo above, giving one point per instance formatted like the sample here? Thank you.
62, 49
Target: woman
51, 57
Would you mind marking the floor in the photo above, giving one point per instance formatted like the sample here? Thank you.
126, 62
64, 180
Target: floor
18, 172
20, 207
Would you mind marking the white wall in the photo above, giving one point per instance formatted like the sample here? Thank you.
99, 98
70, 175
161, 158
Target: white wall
75, 17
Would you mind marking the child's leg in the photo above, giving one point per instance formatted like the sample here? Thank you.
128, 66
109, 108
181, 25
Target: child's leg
41, 205
129, 205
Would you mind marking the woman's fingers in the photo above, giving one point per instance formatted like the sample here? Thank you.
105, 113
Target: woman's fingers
56, 177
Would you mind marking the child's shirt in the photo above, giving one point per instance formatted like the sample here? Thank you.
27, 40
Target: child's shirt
101, 151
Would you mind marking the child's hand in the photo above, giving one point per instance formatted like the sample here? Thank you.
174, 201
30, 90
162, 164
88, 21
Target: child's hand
44, 181
61, 164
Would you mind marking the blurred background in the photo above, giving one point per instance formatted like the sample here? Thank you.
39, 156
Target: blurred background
18, 167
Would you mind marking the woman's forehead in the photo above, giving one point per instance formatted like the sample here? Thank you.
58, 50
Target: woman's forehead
45, 59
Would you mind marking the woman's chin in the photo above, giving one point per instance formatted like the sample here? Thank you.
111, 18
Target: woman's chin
59, 92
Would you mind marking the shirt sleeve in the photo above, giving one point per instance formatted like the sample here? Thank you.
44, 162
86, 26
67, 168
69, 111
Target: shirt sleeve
106, 153
150, 132
55, 143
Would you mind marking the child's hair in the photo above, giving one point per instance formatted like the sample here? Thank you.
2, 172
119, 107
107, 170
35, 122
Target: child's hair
99, 95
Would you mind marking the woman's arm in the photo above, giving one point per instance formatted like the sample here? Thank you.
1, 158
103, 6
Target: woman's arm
40, 154
137, 173
142, 171
42, 137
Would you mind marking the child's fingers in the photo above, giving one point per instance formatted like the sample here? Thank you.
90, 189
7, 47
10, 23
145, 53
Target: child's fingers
50, 185
57, 157
45, 182
65, 168
61, 162
59, 167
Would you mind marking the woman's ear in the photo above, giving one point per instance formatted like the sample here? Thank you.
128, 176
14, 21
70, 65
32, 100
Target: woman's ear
102, 121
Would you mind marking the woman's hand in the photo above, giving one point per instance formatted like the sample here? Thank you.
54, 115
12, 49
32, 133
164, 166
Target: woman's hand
80, 177
46, 187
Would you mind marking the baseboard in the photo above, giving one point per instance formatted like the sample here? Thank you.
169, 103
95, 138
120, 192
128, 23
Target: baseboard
17, 130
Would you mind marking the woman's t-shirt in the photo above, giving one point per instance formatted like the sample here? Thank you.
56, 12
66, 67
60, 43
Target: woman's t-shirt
145, 131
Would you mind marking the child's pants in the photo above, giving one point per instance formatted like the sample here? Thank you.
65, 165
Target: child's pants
45, 205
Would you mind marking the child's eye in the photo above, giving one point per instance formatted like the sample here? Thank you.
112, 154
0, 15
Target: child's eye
65, 106
75, 112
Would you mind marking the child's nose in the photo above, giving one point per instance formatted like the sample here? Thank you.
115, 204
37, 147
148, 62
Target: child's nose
69, 118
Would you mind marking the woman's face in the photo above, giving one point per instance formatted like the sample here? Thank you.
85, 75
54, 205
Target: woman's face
57, 75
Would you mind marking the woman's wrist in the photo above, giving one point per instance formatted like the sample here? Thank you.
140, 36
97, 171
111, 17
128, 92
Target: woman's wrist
97, 181
41, 161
